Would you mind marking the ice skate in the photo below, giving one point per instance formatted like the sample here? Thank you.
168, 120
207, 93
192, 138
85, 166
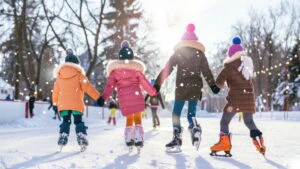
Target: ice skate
62, 140
196, 132
224, 144
82, 141
175, 145
258, 141
138, 137
129, 138
259, 144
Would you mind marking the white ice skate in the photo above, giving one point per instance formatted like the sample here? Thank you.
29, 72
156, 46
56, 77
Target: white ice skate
196, 132
138, 137
175, 145
62, 141
82, 141
129, 138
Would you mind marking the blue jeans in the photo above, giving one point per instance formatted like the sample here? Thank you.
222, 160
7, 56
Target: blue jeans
178, 105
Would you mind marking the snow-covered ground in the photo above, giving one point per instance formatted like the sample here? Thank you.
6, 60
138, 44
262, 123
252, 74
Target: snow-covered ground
32, 144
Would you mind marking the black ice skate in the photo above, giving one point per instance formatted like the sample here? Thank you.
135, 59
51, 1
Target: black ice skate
82, 141
196, 132
62, 140
175, 145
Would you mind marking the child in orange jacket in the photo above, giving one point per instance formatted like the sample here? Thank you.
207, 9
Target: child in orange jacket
68, 95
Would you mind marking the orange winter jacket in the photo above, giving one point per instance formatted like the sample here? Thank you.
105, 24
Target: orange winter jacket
69, 88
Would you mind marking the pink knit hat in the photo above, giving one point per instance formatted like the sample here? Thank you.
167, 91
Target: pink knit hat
189, 34
235, 47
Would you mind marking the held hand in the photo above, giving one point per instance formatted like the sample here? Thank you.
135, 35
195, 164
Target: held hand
100, 101
215, 89
157, 87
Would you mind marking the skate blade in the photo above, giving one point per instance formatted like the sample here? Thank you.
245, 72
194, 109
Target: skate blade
198, 141
60, 148
197, 145
172, 150
263, 153
130, 149
214, 153
138, 150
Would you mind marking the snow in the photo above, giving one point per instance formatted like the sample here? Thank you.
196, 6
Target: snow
31, 143
4, 84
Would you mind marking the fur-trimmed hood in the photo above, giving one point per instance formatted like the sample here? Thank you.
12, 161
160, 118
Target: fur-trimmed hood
234, 57
244, 65
68, 70
190, 43
125, 64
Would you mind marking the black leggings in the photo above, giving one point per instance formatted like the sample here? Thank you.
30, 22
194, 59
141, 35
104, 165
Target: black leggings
226, 118
155, 117
65, 125
77, 118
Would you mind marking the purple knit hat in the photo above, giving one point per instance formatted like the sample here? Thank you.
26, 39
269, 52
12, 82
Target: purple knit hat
189, 34
235, 47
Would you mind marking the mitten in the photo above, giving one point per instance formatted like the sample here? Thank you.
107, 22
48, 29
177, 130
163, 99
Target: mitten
100, 101
157, 87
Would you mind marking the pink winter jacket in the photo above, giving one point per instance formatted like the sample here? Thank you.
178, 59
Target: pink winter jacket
127, 77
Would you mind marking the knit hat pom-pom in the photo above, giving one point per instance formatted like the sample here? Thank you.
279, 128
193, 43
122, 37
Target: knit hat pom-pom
69, 51
190, 28
125, 44
236, 40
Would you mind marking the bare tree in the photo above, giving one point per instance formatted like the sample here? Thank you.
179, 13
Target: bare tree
26, 44
268, 37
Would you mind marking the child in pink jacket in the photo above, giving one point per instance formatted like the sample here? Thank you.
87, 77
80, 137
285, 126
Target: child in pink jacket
126, 76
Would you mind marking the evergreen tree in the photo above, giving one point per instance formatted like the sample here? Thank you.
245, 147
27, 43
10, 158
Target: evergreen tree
294, 62
123, 22
294, 72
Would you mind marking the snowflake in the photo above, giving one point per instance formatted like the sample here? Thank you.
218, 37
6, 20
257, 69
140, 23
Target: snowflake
137, 93
84, 81
181, 84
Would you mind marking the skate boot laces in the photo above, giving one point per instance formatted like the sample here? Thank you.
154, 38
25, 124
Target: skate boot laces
129, 135
138, 133
81, 139
63, 139
259, 144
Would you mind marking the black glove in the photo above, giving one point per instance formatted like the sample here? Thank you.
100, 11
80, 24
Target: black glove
215, 89
100, 101
54, 108
157, 87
